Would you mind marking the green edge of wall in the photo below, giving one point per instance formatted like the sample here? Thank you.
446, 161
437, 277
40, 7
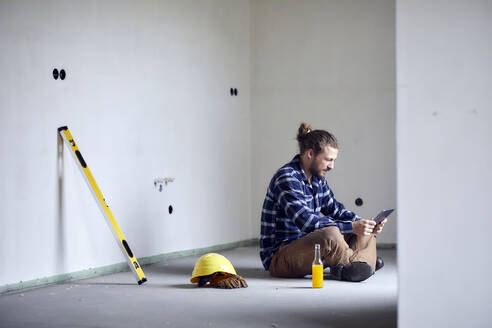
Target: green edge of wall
386, 245
123, 266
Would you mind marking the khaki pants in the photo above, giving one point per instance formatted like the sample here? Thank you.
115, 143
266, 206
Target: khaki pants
295, 259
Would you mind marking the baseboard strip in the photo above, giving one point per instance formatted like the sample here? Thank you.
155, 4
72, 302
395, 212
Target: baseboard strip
386, 245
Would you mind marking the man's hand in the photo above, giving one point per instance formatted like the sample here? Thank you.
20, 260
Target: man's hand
379, 227
363, 227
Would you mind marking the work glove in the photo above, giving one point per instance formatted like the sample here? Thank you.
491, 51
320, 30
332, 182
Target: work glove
223, 280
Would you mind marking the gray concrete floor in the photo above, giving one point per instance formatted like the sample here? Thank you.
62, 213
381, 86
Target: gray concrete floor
168, 299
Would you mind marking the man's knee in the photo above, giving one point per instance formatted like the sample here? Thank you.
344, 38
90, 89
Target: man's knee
334, 248
332, 235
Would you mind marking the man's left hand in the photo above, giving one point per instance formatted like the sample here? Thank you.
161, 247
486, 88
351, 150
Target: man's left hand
379, 227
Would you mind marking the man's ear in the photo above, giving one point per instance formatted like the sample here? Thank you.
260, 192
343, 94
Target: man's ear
310, 153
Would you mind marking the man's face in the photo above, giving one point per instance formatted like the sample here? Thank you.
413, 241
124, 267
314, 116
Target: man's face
323, 162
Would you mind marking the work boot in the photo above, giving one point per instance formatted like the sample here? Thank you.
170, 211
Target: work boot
355, 271
379, 263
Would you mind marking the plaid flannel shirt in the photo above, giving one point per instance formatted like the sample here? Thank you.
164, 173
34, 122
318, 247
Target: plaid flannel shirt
293, 208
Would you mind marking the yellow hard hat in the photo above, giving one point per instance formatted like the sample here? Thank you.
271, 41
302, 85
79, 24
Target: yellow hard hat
209, 264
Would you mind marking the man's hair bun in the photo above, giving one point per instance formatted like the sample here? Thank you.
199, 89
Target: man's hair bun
303, 130
314, 139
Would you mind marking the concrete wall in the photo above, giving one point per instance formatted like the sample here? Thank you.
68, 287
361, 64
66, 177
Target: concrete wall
444, 115
146, 96
331, 64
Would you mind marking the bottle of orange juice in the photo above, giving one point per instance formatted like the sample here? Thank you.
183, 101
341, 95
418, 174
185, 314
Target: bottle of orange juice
317, 268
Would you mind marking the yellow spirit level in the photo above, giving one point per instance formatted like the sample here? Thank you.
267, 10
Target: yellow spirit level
113, 225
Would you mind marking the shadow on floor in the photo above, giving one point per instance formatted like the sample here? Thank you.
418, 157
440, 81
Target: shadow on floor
254, 273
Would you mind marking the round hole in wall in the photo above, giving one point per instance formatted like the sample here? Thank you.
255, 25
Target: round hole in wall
359, 202
170, 209
62, 74
232, 92
235, 91
55, 74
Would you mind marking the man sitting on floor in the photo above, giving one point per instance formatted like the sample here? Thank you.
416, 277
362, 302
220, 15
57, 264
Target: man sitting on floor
291, 220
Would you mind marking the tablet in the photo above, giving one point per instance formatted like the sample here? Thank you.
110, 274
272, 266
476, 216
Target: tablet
383, 214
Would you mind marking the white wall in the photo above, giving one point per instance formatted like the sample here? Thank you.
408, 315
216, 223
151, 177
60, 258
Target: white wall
146, 96
331, 64
444, 66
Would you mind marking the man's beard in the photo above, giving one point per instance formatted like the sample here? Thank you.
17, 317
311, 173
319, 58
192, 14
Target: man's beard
318, 173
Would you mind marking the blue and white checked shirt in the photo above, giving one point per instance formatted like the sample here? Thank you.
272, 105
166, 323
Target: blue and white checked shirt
294, 208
